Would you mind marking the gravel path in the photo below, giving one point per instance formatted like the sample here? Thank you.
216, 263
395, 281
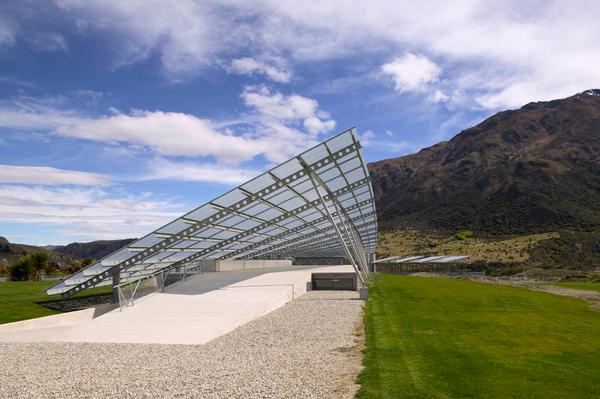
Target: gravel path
306, 349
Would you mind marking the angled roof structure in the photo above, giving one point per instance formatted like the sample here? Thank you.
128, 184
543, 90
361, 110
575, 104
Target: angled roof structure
317, 204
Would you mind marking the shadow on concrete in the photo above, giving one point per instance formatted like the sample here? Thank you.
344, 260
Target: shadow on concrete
206, 282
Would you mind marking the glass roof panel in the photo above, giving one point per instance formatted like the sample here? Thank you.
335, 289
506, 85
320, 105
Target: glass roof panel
286, 219
286, 169
202, 213
316, 154
258, 183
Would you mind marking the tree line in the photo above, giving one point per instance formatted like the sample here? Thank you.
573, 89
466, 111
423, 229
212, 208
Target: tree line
33, 266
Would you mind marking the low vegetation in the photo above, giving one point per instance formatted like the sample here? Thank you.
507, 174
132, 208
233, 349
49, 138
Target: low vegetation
448, 338
560, 254
575, 250
32, 266
413, 242
580, 285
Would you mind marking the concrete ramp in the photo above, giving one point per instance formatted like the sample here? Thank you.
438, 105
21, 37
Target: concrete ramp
194, 312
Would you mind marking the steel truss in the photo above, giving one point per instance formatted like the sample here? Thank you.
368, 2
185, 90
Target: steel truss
319, 203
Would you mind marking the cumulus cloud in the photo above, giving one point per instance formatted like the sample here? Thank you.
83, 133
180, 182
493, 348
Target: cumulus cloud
167, 133
43, 175
277, 107
165, 169
86, 214
287, 124
499, 54
412, 72
249, 66
438, 96
277, 127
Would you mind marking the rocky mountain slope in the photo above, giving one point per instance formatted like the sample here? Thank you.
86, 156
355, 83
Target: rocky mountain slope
10, 252
520, 171
93, 249
61, 255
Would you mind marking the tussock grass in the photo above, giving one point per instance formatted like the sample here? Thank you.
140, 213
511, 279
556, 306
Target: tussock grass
412, 242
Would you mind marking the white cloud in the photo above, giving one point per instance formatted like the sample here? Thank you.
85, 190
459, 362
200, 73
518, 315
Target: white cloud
510, 51
86, 214
164, 169
412, 72
366, 139
43, 175
502, 54
280, 120
278, 127
18, 82
397, 147
167, 133
187, 35
8, 32
438, 96
249, 66
315, 125
276, 106
48, 41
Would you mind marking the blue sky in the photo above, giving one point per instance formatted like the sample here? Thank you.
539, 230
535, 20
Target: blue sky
116, 117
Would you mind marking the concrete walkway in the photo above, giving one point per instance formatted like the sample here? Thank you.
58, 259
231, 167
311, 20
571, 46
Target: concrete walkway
193, 312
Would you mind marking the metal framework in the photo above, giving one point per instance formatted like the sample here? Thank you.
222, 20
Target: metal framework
317, 204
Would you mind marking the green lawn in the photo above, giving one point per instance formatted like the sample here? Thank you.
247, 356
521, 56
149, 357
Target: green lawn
18, 299
447, 338
583, 285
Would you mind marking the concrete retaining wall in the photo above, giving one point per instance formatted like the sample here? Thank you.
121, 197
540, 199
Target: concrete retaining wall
230, 265
57, 320
209, 266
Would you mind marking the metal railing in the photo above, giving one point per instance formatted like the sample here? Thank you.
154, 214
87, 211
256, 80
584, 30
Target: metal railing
126, 291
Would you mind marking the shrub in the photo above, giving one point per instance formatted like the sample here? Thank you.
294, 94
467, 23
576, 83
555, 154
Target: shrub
29, 267
463, 235
21, 270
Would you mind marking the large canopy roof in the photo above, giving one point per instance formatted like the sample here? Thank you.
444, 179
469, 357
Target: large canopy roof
317, 204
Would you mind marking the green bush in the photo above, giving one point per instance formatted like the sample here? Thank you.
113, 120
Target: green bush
29, 267
463, 235
572, 250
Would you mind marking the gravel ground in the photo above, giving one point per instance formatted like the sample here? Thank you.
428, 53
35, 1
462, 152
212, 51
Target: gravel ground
306, 349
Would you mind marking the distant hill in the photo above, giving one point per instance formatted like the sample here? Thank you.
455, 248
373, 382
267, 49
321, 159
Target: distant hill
521, 171
61, 255
10, 252
93, 249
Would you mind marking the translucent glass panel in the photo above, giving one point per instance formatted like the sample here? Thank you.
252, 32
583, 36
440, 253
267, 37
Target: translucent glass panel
280, 213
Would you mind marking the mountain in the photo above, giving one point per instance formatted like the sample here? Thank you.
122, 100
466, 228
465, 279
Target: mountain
94, 249
61, 255
527, 170
10, 252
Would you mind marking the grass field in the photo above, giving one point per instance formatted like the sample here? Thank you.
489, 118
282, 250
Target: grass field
447, 338
18, 300
583, 285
